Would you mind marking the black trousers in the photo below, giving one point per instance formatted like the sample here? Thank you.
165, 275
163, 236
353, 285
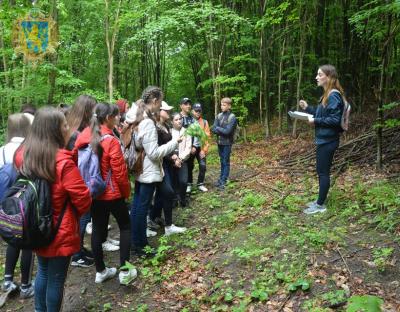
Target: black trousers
100, 211
202, 167
12, 255
164, 198
179, 182
325, 153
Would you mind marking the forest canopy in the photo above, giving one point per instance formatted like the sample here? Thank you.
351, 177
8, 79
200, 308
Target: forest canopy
264, 54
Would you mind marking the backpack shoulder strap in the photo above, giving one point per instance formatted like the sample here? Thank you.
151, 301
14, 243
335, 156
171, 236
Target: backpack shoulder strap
334, 90
103, 137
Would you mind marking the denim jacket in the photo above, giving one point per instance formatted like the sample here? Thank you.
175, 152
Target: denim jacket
327, 119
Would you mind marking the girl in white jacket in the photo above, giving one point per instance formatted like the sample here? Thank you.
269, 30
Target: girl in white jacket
180, 173
141, 116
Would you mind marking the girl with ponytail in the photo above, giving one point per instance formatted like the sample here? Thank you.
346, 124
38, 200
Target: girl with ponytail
101, 138
142, 116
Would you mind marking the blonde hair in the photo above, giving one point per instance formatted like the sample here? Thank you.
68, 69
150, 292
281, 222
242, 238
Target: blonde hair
226, 100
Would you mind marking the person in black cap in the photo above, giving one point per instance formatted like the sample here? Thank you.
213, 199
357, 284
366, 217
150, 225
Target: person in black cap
201, 151
187, 120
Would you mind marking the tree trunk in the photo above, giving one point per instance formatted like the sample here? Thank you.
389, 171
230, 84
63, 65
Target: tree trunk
211, 54
111, 36
302, 33
382, 94
280, 107
53, 58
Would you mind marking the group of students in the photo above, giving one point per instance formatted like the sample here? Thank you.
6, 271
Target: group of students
47, 144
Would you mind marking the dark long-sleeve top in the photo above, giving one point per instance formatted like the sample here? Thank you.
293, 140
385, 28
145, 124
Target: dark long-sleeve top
224, 127
327, 119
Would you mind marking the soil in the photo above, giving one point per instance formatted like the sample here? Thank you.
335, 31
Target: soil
350, 264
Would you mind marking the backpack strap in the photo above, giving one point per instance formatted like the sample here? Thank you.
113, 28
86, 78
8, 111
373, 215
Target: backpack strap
61, 216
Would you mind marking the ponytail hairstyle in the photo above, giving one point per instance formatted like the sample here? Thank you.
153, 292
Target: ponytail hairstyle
42, 143
101, 112
18, 125
81, 112
149, 94
333, 82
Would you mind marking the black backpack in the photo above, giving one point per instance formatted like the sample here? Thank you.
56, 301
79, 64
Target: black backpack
26, 214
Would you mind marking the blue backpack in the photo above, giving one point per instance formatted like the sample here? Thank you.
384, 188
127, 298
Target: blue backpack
89, 167
8, 175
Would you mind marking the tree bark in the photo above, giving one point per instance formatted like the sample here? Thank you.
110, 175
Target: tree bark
302, 33
53, 58
111, 36
383, 92
280, 84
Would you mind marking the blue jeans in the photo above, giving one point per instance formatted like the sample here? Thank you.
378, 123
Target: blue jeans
224, 152
325, 153
83, 222
140, 207
49, 283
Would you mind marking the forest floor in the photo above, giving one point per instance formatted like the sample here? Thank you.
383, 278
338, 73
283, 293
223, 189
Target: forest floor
251, 247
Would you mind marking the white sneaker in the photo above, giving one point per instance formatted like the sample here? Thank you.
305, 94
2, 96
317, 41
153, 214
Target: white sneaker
189, 189
113, 241
150, 233
107, 246
173, 229
202, 188
89, 228
126, 277
105, 275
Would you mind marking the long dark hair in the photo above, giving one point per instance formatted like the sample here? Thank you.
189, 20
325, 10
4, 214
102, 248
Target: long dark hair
101, 112
333, 82
42, 143
18, 125
81, 112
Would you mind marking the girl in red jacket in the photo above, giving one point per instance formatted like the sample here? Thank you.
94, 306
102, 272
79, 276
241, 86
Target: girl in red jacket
113, 169
43, 155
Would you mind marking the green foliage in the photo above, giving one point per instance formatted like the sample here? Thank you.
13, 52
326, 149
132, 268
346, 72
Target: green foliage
299, 284
382, 257
196, 131
334, 297
364, 303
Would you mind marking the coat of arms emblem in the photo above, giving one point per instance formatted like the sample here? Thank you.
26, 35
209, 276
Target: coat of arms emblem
35, 36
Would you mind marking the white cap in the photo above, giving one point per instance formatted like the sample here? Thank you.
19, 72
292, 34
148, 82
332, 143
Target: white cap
165, 106
130, 116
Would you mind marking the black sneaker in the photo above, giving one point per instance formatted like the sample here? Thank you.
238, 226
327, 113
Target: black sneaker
87, 253
82, 262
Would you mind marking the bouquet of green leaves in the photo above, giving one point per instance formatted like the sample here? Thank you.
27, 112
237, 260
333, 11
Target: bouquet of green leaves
195, 130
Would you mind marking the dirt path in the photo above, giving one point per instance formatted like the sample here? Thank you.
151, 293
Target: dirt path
251, 248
